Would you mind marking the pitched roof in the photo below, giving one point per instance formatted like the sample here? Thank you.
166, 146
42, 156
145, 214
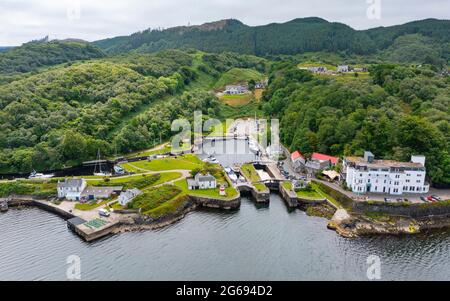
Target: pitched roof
207, 177
71, 183
296, 155
322, 157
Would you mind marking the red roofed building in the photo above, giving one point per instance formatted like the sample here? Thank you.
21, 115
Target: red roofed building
325, 158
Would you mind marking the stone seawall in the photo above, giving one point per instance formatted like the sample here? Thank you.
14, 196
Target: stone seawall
260, 197
41, 204
406, 210
289, 197
217, 203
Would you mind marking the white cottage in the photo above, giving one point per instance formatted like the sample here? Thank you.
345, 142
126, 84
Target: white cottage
71, 189
202, 182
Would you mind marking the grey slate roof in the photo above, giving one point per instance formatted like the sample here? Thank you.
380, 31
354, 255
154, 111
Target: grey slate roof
71, 183
205, 178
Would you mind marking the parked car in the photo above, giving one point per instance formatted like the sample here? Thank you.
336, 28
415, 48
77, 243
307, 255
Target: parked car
436, 198
431, 199
424, 199
387, 200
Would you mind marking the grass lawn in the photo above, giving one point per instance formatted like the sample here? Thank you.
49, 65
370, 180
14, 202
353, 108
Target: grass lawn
162, 150
309, 195
129, 167
287, 185
326, 196
168, 177
139, 181
91, 205
154, 198
237, 75
237, 100
117, 206
260, 187
212, 193
250, 173
186, 162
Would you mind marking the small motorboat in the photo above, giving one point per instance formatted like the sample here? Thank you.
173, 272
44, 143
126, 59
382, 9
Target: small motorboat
36, 175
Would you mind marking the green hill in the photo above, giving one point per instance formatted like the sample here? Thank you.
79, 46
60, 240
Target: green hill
34, 55
294, 37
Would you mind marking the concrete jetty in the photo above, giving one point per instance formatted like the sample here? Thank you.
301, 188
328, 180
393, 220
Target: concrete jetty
87, 224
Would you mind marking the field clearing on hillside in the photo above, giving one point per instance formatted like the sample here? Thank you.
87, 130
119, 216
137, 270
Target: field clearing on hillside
237, 100
237, 75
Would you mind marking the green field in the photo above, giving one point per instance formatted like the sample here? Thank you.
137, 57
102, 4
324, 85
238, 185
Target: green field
186, 162
309, 194
237, 75
237, 100
154, 198
138, 181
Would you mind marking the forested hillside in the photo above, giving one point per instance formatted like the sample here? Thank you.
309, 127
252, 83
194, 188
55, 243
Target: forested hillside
4, 49
34, 55
63, 116
397, 112
294, 37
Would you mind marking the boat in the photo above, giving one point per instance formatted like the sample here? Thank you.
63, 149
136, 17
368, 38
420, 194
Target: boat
36, 175
119, 170
233, 177
214, 161
98, 163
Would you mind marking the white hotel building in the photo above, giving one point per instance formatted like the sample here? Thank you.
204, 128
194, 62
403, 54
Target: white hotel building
367, 175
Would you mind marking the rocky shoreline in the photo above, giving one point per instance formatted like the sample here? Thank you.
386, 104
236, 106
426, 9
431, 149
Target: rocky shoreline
357, 225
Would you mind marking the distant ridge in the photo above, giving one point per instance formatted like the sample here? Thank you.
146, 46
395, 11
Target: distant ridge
296, 36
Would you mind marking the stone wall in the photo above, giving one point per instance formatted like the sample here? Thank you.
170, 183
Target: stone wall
217, 203
407, 210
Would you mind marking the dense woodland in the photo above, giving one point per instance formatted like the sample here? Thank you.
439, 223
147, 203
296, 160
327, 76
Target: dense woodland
297, 36
34, 55
63, 116
397, 112
60, 102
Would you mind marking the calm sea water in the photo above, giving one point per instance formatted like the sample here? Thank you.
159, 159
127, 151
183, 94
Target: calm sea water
253, 243
250, 244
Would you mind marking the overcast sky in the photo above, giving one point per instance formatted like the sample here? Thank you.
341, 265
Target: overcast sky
25, 20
